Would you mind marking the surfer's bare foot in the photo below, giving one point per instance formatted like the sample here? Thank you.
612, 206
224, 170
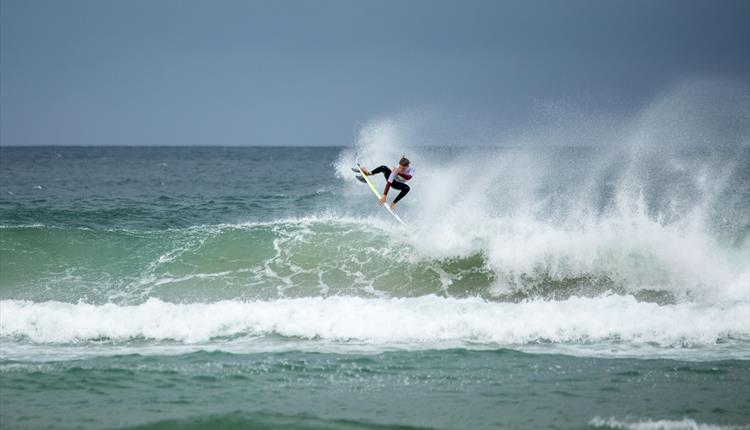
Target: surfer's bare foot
382, 200
393, 206
365, 171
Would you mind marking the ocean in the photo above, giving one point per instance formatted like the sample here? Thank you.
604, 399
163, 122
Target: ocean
564, 286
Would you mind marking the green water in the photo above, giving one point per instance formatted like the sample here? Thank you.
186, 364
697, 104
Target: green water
433, 389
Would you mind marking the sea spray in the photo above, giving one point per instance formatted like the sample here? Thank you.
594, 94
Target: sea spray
647, 206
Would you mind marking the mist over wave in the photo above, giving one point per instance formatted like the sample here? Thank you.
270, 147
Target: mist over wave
658, 202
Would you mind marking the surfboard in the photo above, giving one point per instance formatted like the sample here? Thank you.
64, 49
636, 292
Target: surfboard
377, 194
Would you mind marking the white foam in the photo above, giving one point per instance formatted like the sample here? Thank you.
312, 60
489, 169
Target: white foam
684, 424
425, 321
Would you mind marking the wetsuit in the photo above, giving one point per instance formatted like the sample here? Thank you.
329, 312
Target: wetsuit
397, 181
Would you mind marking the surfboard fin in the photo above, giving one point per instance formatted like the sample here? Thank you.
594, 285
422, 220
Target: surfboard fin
361, 179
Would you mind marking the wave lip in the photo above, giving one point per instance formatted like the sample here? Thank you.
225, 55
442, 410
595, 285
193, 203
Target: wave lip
399, 322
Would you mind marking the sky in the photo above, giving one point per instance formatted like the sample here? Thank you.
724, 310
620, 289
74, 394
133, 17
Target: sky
186, 72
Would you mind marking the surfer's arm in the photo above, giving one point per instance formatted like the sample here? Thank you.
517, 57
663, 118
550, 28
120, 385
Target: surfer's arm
387, 187
391, 178
404, 175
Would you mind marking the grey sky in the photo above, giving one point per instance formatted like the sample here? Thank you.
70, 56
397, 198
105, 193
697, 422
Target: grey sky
307, 72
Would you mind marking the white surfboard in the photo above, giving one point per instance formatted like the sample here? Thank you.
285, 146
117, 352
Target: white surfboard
377, 194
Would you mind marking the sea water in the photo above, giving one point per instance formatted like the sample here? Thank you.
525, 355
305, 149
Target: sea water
536, 286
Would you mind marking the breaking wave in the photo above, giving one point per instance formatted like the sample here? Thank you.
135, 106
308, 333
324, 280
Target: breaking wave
422, 322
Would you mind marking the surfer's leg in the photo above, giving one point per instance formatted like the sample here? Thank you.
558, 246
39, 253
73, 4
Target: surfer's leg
401, 187
382, 169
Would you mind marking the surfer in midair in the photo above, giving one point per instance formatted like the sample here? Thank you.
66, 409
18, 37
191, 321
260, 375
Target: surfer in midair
395, 178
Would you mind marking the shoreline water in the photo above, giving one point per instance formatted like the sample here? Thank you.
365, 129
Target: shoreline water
448, 389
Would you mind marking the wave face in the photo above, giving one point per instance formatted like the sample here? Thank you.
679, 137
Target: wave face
596, 230
312, 257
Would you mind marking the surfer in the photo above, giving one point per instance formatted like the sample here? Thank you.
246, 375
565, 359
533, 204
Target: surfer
395, 178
